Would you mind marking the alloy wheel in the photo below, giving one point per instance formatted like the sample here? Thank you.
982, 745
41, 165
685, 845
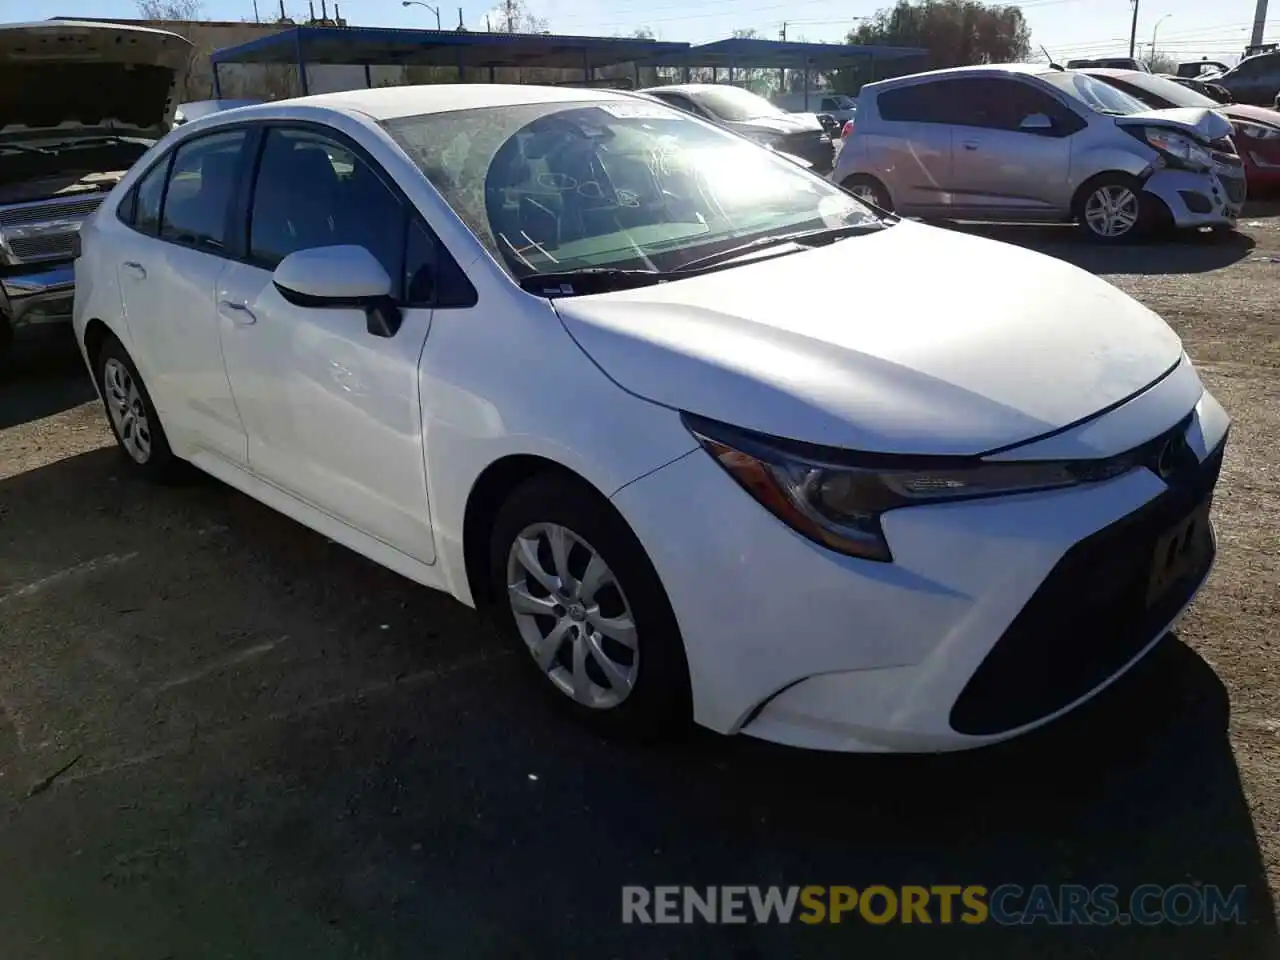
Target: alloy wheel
1111, 211
572, 614
127, 409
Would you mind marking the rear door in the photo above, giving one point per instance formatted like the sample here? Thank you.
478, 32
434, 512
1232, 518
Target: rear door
910, 149
169, 265
999, 169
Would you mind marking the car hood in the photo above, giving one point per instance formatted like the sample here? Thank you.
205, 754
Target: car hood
1208, 124
1251, 114
61, 76
787, 123
945, 343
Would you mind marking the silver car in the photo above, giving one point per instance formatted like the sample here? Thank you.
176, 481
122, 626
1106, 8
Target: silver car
1037, 143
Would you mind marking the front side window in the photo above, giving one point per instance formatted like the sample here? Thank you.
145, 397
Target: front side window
312, 191
201, 186
734, 104
562, 186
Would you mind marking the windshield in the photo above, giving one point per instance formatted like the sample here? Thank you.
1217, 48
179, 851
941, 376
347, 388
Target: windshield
1157, 92
551, 187
734, 103
1094, 94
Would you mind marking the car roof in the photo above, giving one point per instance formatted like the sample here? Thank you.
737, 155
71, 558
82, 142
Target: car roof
980, 70
388, 103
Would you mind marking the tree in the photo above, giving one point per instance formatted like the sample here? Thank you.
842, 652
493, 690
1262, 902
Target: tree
643, 33
955, 32
178, 10
514, 16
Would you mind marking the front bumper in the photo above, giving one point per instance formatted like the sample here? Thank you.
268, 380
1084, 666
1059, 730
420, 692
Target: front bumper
1194, 199
794, 643
38, 296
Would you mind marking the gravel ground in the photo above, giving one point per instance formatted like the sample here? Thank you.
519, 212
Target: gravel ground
271, 748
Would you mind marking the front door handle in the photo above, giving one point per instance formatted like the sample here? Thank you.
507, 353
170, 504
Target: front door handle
970, 144
237, 313
136, 269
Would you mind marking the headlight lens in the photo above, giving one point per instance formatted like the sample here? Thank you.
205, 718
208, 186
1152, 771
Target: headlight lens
1180, 149
840, 505
1257, 131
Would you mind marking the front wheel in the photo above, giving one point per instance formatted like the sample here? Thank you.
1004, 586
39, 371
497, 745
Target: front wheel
1112, 208
575, 589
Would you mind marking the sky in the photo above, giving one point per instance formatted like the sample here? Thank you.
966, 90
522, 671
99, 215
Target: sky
1185, 29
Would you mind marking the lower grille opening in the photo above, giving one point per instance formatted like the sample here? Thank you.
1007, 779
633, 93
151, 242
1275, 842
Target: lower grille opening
1090, 617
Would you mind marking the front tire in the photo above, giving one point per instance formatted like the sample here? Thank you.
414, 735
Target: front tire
573, 586
133, 416
1111, 208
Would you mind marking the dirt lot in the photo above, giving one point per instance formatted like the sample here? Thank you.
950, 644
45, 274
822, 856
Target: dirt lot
281, 750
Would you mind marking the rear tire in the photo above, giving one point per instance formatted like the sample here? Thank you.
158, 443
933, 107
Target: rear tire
867, 188
575, 590
133, 416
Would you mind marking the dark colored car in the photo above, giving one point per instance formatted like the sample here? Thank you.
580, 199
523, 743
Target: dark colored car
79, 103
1111, 63
799, 134
1191, 69
1255, 130
1255, 80
1205, 88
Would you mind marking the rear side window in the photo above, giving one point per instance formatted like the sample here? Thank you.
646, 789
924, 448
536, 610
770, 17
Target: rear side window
914, 104
829, 104
143, 206
201, 186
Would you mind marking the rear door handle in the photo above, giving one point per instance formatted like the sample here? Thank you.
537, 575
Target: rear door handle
237, 313
970, 144
136, 269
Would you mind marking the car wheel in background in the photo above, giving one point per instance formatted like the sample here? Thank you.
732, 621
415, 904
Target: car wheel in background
868, 188
1111, 208
573, 585
132, 415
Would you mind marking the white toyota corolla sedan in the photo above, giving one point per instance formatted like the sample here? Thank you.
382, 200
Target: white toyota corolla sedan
566, 354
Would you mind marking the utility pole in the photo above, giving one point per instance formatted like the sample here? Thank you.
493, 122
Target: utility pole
1259, 23
782, 71
1133, 30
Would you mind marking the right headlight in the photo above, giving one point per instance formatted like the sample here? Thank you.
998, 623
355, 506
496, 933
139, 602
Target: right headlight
839, 505
1179, 149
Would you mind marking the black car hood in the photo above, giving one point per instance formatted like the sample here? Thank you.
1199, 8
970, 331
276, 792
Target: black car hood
69, 76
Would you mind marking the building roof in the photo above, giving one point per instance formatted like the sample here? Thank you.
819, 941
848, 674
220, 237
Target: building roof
757, 52
385, 47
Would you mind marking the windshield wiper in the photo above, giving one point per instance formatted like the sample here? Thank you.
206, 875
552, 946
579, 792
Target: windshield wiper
801, 237
569, 283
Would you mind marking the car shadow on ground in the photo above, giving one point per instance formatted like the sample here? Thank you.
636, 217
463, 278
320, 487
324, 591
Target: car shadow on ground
451, 810
40, 379
1181, 253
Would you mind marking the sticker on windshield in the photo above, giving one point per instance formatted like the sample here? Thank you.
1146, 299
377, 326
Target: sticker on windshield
636, 111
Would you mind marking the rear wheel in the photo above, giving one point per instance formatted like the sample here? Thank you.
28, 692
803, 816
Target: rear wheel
868, 188
577, 592
133, 416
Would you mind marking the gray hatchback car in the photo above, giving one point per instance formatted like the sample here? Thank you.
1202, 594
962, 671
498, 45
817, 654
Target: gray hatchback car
1033, 142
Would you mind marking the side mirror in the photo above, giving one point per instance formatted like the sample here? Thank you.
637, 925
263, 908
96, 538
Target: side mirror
340, 276
1036, 123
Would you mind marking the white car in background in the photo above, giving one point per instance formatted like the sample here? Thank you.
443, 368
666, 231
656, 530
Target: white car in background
560, 353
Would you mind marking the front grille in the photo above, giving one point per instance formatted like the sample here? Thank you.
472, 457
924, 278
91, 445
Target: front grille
43, 247
1088, 619
23, 214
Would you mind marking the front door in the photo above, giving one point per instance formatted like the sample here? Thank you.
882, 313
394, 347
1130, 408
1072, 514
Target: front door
170, 256
332, 411
1001, 170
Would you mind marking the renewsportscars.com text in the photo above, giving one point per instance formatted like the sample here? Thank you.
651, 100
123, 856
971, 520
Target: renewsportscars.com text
970, 904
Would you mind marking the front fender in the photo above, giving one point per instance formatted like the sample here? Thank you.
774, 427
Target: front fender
1106, 159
